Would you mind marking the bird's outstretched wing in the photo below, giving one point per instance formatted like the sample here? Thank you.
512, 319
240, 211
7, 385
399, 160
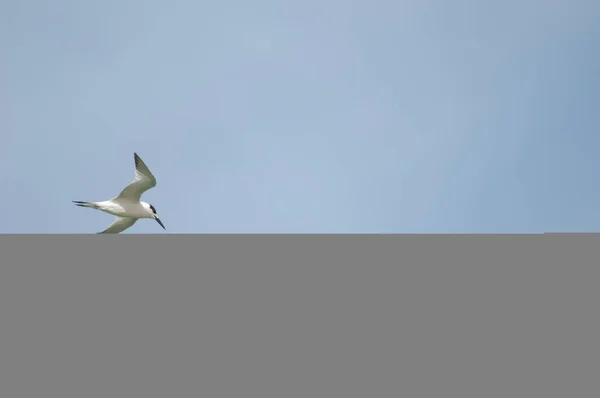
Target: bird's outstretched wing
119, 225
143, 181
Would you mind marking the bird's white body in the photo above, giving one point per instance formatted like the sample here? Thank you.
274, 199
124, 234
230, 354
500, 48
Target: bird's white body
127, 206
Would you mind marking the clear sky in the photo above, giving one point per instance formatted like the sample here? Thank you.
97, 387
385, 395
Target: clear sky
425, 116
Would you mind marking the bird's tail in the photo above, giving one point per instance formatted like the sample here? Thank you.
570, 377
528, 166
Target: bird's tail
85, 204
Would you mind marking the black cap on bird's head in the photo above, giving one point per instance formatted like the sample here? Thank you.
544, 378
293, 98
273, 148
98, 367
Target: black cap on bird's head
156, 216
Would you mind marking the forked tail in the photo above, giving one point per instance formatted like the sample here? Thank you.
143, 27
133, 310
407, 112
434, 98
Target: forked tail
85, 204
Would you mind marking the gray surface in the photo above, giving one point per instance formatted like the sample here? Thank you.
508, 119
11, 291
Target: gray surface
299, 316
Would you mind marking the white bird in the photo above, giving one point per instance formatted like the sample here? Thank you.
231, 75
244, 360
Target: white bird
127, 206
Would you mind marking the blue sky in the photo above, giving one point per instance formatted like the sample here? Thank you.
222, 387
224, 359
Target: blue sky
303, 116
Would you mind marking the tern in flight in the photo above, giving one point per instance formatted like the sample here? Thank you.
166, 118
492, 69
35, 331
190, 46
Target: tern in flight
127, 206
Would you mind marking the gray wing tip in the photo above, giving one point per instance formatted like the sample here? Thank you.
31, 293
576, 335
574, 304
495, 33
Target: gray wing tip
140, 165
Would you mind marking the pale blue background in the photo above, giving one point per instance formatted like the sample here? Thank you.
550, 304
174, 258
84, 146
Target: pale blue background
303, 116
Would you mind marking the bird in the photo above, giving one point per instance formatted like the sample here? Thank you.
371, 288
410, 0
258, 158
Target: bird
127, 206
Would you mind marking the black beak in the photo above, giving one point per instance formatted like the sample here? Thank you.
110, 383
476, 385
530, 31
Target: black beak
161, 224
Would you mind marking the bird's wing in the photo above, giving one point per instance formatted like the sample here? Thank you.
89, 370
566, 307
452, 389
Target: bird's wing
143, 181
119, 225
